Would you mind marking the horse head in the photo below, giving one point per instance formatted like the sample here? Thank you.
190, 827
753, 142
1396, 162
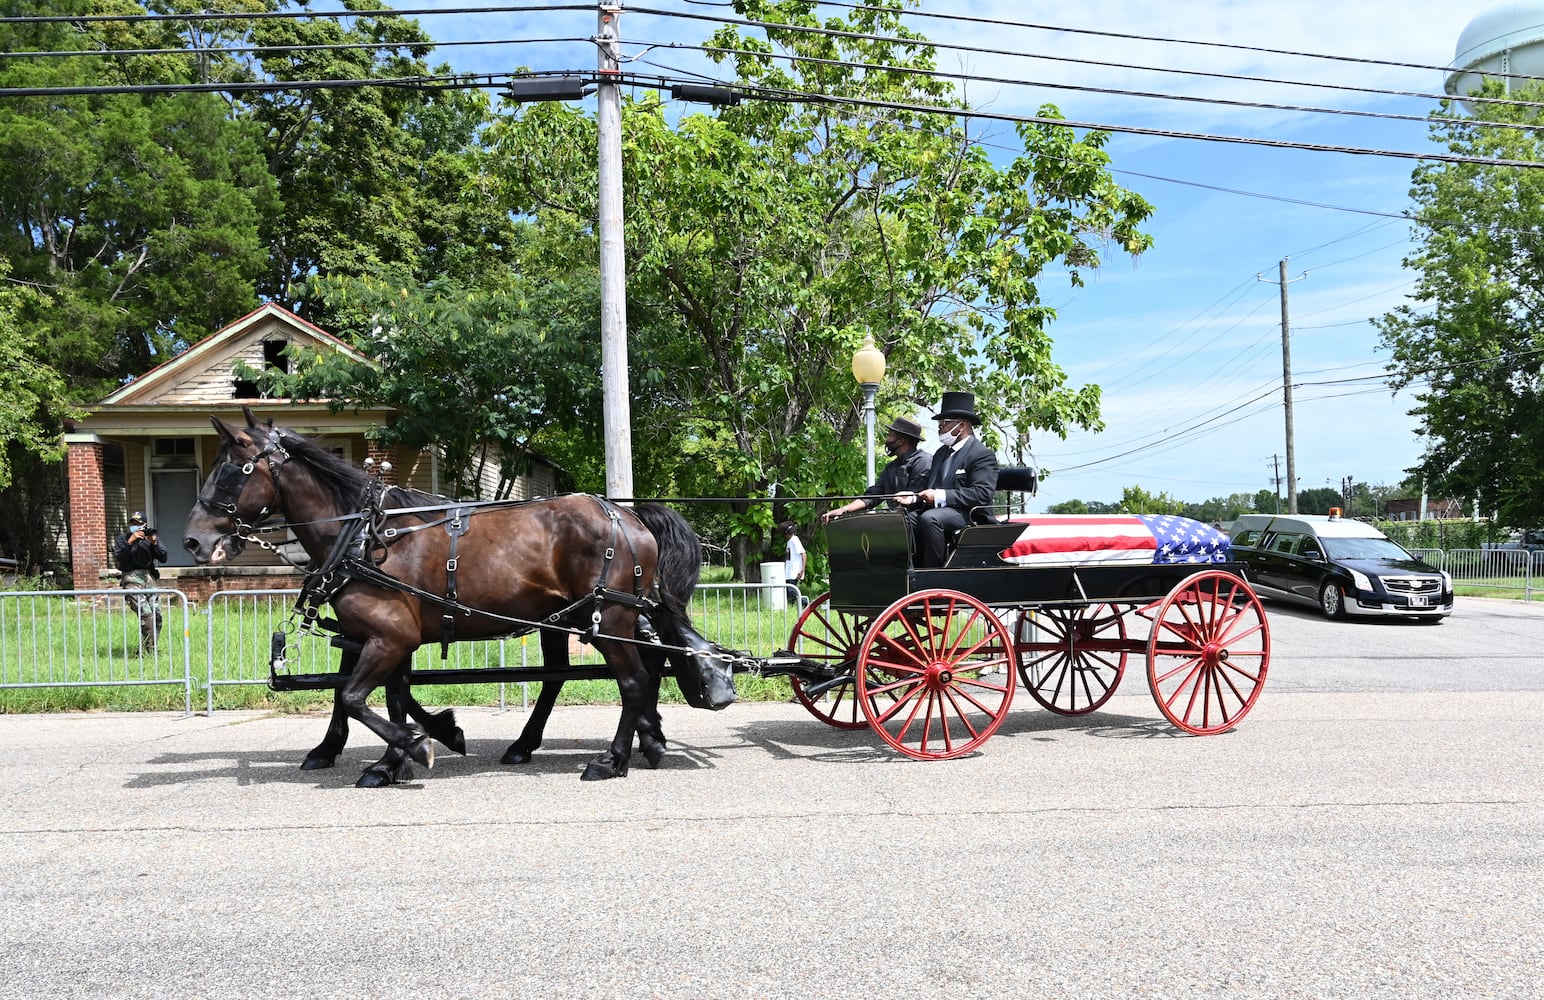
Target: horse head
241, 491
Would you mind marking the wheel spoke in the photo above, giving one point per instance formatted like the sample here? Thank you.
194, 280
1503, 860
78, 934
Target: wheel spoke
1084, 658
1201, 683
830, 637
945, 707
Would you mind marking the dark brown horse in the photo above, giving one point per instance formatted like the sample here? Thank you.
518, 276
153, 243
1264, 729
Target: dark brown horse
401, 569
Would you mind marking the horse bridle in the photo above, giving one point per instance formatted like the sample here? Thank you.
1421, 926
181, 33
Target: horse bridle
230, 481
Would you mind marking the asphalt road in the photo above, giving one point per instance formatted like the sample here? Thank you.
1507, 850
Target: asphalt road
1373, 829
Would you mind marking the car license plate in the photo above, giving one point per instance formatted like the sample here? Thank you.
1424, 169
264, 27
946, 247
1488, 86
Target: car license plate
1418, 601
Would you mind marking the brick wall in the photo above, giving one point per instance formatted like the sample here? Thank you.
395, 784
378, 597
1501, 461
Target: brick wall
89, 552
199, 582
384, 454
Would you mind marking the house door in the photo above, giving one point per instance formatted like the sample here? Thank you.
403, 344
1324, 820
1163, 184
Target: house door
173, 493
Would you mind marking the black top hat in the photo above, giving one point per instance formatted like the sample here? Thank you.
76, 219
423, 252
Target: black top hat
137, 517
958, 406
906, 428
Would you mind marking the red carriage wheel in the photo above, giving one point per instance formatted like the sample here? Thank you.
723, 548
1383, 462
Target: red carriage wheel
1071, 660
830, 637
1208, 652
935, 676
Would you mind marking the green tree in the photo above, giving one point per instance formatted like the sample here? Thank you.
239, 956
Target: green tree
1136, 500
1469, 342
134, 215
131, 218
478, 374
374, 180
1319, 500
768, 238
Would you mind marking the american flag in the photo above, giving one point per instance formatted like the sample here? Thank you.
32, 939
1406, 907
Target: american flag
1121, 539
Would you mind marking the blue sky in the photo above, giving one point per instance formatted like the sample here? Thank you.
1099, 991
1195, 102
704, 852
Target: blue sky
1185, 340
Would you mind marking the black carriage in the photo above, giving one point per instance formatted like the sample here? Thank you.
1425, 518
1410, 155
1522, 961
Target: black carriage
930, 658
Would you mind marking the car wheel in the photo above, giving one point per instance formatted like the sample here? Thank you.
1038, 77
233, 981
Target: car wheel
1331, 601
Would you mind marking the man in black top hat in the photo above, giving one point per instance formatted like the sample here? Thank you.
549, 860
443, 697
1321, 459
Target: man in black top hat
906, 472
964, 476
137, 551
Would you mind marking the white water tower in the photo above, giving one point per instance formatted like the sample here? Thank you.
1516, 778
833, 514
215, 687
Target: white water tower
1508, 38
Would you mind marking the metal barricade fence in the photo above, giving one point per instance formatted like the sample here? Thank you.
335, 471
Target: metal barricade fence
1491, 569
92, 638
239, 624
745, 616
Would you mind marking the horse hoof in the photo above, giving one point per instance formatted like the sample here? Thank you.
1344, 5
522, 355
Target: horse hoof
515, 755
422, 750
373, 779
318, 763
457, 742
653, 753
603, 770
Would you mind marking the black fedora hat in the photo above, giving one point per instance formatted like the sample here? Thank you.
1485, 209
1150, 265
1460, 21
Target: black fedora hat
906, 428
958, 406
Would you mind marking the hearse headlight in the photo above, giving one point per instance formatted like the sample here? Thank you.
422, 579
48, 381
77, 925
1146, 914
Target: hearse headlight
1447, 580
1361, 580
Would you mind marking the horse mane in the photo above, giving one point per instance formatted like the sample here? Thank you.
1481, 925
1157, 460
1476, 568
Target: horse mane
346, 482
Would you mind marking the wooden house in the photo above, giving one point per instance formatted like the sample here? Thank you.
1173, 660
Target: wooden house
149, 445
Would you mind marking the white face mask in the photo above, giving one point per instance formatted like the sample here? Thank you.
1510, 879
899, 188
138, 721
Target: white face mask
948, 438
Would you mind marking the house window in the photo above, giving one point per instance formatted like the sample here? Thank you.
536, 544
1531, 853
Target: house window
178, 447
273, 360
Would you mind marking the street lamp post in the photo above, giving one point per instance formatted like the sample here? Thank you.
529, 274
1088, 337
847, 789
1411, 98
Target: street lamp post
868, 367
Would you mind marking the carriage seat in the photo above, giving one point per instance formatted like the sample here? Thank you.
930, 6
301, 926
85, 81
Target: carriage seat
1010, 479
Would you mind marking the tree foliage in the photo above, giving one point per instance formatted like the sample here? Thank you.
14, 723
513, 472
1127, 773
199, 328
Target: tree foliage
133, 215
477, 374
31, 391
765, 240
1470, 342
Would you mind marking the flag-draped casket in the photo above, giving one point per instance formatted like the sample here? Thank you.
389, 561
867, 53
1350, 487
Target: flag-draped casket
1114, 539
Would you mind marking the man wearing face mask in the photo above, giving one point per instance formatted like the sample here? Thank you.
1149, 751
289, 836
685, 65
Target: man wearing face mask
964, 476
907, 471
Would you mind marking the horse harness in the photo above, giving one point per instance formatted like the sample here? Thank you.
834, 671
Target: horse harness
363, 545
358, 553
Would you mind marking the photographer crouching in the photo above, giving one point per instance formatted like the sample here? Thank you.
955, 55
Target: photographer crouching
137, 551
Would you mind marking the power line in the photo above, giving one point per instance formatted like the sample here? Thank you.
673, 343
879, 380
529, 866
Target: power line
1085, 88
981, 50
1126, 36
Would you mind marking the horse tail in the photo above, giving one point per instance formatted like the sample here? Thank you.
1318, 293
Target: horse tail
680, 556
704, 681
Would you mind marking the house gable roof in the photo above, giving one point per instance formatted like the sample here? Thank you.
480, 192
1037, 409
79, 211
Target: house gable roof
204, 373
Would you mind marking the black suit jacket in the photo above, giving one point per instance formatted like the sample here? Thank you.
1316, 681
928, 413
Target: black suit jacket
972, 474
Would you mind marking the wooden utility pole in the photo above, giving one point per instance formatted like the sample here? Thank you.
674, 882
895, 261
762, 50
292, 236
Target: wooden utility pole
616, 407
1286, 384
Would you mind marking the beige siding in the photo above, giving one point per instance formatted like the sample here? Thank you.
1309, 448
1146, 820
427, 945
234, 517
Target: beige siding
214, 383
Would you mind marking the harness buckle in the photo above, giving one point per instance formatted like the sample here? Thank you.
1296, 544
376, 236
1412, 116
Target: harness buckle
450, 565
611, 553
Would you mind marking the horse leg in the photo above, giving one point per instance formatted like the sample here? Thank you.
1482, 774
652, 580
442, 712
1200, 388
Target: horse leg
440, 725
554, 653
651, 735
379, 660
632, 685
325, 753
393, 767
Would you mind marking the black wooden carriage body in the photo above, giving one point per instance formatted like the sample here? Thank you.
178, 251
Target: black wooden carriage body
930, 657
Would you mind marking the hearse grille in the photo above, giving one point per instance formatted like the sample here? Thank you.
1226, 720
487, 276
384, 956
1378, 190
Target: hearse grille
1412, 584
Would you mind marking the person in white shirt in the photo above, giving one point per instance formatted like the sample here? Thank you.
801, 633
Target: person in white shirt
793, 565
